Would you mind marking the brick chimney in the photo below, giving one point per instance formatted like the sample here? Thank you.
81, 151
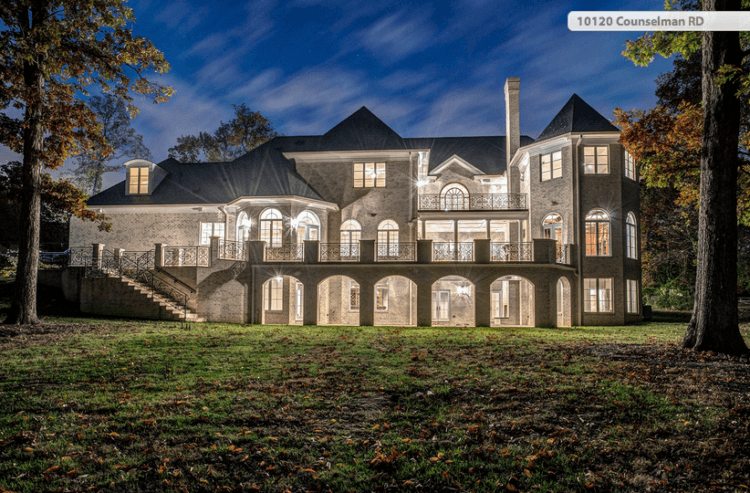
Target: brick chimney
512, 118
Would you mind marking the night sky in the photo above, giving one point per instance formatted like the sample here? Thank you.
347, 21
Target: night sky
426, 68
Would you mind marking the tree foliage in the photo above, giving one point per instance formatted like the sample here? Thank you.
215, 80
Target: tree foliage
120, 140
51, 51
724, 78
246, 131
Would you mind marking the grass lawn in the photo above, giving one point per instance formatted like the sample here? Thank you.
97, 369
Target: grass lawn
147, 406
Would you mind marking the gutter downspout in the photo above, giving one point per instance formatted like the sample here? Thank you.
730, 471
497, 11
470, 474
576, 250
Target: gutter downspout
576, 221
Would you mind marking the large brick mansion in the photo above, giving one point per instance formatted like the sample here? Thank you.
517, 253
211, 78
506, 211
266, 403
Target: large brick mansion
360, 226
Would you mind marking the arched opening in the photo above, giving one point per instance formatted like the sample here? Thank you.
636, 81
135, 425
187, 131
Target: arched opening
283, 301
597, 233
338, 301
395, 301
351, 234
512, 302
553, 227
454, 197
453, 301
243, 227
307, 225
564, 306
387, 239
271, 227
631, 237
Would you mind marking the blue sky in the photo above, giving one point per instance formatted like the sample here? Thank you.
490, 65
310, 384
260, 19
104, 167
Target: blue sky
425, 67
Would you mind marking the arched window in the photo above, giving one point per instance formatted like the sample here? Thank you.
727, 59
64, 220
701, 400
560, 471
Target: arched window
388, 239
631, 237
243, 227
552, 225
351, 233
454, 197
597, 233
308, 227
271, 226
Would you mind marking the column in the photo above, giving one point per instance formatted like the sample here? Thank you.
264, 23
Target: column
366, 304
310, 310
424, 251
312, 247
482, 251
424, 304
96, 254
366, 252
482, 302
159, 254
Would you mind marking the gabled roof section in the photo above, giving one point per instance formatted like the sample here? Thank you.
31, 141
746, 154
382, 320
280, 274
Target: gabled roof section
485, 153
576, 116
261, 172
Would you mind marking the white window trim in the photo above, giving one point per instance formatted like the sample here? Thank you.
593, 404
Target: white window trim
599, 291
596, 161
554, 172
273, 287
370, 171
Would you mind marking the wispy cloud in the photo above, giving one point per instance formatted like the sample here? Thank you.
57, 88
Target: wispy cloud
397, 36
181, 16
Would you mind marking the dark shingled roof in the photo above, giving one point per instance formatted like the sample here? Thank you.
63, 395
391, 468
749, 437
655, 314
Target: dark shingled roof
261, 172
576, 116
486, 153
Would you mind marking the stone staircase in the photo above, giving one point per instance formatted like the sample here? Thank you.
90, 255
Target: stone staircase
170, 309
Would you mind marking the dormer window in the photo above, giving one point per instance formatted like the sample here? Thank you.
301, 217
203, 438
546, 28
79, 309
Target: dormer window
138, 180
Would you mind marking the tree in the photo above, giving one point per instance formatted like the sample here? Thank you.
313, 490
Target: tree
60, 199
245, 132
50, 52
714, 324
120, 139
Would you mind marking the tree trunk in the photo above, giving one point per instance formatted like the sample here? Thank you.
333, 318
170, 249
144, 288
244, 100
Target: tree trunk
23, 308
714, 325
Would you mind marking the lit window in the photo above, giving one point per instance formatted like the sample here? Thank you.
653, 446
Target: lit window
273, 294
351, 233
381, 298
454, 197
138, 180
632, 296
597, 295
369, 175
211, 229
353, 297
597, 233
271, 228
595, 160
388, 239
631, 238
551, 166
629, 166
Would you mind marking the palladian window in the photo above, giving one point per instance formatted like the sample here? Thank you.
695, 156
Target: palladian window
597, 233
454, 197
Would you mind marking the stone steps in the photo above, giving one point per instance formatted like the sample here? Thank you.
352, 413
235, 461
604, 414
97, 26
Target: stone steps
175, 313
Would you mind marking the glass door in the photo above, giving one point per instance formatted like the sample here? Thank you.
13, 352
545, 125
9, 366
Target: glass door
441, 306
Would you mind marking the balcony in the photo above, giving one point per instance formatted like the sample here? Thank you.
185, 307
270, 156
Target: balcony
286, 253
339, 252
396, 252
453, 252
512, 252
474, 202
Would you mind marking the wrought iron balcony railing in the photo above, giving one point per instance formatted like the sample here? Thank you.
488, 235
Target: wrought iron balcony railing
453, 252
232, 250
286, 253
396, 252
563, 254
474, 202
79, 257
511, 252
186, 256
339, 252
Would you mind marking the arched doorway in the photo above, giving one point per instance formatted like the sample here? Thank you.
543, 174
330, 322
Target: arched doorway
395, 302
564, 306
338, 301
283, 301
453, 301
512, 302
